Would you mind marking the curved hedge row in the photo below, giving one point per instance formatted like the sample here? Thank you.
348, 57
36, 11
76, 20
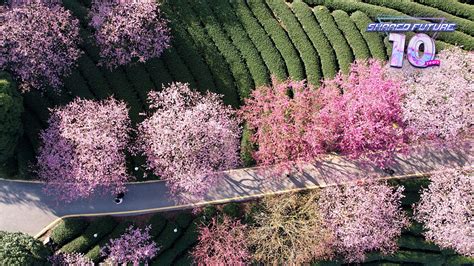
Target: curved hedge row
373, 11
216, 62
76, 84
270, 55
415, 9
452, 7
374, 40
237, 66
341, 47
279, 37
303, 45
177, 68
352, 34
317, 37
94, 78
158, 73
68, 230
184, 46
229, 22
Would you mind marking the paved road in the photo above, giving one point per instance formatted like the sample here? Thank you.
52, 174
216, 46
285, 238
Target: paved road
24, 207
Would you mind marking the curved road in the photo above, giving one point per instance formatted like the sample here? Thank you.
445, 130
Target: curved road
24, 207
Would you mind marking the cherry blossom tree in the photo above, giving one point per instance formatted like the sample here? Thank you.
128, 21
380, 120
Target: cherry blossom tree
129, 30
282, 118
438, 103
367, 116
134, 246
222, 243
38, 44
365, 217
83, 149
189, 138
61, 259
290, 230
446, 210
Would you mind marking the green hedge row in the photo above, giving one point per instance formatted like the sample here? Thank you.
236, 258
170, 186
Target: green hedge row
140, 80
177, 68
94, 77
452, 7
352, 34
409, 257
67, 230
418, 10
190, 55
76, 84
158, 73
230, 23
237, 66
306, 50
374, 11
99, 227
157, 223
94, 253
418, 243
25, 154
341, 47
374, 40
279, 37
271, 56
183, 219
168, 236
317, 37
188, 239
31, 127
35, 102
216, 62
247, 148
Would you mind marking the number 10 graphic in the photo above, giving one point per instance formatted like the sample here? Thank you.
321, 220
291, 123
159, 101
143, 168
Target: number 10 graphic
413, 49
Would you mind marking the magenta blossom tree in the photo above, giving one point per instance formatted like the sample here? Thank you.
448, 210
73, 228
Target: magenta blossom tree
363, 218
189, 138
129, 30
222, 243
38, 44
83, 149
367, 116
438, 103
78, 259
446, 210
134, 246
283, 118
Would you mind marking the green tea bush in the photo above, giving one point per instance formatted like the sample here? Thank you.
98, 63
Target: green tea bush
279, 37
167, 237
35, 102
307, 53
158, 73
341, 47
76, 84
352, 34
247, 148
416, 243
188, 238
31, 128
25, 155
67, 230
96, 230
92, 74
237, 66
452, 7
94, 252
183, 219
11, 108
158, 223
374, 40
317, 37
177, 68
271, 56
232, 209
230, 23
21, 249
140, 80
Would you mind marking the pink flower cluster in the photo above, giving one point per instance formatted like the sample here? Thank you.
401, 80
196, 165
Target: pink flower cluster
446, 210
438, 104
222, 243
61, 259
83, 148
134, 246
359, 115
363, 218
128, 31
39, 44
189, 138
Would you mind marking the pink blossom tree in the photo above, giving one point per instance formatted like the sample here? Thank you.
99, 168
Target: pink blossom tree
129, 30
38, 44
363, 218
134, 246
368, 114
222, 243
61, 259
438, 103
283, 117
446, 210
83, 148
189, 138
